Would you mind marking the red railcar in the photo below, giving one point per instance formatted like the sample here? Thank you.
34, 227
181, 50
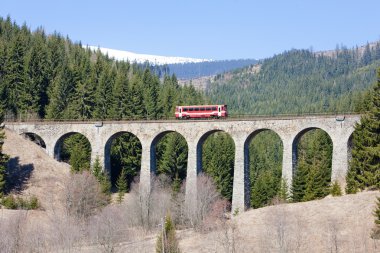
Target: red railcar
200, 111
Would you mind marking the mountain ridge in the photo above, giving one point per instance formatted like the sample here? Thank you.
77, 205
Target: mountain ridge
122, 55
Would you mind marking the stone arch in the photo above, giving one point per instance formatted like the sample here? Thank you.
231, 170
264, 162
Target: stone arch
59, 144
107, 150
153, 145
297, 139
35, 138
247, 158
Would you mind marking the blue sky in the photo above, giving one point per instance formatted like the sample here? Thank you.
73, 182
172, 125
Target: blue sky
213, 29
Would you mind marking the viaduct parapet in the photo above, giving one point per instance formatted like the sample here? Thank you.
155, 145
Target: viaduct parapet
101, 134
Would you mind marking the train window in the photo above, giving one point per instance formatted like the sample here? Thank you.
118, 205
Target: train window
191, 109
219, 108
208, 109
185, 109
203, 109
196, 109
214, 108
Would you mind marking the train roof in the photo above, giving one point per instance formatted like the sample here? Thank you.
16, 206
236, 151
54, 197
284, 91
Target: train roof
201, 105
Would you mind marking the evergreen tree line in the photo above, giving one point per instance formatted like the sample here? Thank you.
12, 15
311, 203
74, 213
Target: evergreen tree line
50, 77
299, 82
364, 168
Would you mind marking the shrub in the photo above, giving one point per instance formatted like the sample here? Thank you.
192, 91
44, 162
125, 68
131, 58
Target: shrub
166, 240
335, 189
11, 202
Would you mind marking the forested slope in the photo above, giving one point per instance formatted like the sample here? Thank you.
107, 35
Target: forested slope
49, 76
186, 71
299, 81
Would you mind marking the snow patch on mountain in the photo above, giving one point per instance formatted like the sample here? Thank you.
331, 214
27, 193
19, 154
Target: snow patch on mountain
141, 58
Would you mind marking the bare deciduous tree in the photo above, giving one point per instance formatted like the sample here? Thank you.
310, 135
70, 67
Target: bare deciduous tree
83, 195
207, 196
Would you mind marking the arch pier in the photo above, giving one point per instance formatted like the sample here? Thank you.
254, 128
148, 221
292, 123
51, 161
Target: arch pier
195, 132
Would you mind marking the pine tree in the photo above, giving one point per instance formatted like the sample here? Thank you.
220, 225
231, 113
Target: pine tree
125, 155
78, 158
376, 231
14, 80
3, 161
151, 95
102, 177
76, 150
313, 169
335, 189
122, 107
97, 168
218, 161
364, 170
283, 191
104, 99
299, 181
173, 161
82, 102
265, 158
166, 240
121, 185
60, 93
37, 76
137, 98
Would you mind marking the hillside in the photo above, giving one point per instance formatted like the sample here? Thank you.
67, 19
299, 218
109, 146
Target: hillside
299, 81
195, 70
316, 226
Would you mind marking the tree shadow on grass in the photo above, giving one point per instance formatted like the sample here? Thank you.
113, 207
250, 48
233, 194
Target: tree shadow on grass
17, 175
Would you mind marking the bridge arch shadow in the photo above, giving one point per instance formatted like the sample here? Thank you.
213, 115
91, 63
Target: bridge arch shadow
34, 138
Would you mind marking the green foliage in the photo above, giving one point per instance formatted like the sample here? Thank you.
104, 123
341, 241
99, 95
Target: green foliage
102, 177
76, 150
364, 170
377, 212
3, 159
10, 202
265, 153
166, 240
335, 189
376, 230
313, 170
121, 185
125, 155
283, 191
171, 154
218, 153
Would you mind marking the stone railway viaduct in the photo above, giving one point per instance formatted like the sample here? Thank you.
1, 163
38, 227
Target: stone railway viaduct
289, 129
